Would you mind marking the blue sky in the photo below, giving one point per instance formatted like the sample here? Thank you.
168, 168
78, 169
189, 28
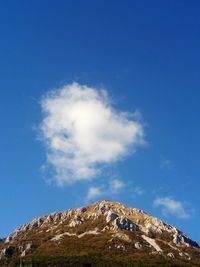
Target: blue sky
145, 55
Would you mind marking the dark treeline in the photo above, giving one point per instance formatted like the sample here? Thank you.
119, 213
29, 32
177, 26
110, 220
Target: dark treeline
93, 261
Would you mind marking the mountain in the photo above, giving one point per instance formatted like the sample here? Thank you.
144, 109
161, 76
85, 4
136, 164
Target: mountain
105, 230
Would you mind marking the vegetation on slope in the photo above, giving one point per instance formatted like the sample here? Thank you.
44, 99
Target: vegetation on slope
95, 261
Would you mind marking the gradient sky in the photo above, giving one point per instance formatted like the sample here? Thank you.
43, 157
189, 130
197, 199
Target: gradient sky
146, 55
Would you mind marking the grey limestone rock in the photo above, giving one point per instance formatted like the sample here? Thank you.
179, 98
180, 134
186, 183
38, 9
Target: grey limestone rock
138, 245
124, 223
111, 216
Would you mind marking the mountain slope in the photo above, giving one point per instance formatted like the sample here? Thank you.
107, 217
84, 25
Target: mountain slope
104, 228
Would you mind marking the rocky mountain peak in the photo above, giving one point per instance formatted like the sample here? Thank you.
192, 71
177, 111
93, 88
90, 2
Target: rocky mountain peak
111, 224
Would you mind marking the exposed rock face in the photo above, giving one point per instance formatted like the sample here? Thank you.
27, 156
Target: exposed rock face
138, 245
27, 248
152, 243
111, 216
123, 228
171, 255
124, 223
117, 214
77, 220
180, 238
7, 252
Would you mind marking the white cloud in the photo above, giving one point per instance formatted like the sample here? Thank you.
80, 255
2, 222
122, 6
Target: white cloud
116, 185
83, 132
170, 206
138, 191
112, 188
94, 192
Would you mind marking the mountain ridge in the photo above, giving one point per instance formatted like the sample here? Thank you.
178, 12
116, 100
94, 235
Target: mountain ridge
104, 226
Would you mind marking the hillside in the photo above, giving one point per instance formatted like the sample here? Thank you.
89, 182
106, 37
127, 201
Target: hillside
106, 233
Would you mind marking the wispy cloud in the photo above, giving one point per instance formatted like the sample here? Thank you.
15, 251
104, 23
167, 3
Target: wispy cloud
169, 206
165, 163
138, 191
110, 189
94, 192
116, 185
83, 132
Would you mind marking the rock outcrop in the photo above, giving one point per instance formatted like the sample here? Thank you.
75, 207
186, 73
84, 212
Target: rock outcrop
115, 225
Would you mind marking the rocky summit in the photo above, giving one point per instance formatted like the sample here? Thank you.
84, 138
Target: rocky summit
105, 228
